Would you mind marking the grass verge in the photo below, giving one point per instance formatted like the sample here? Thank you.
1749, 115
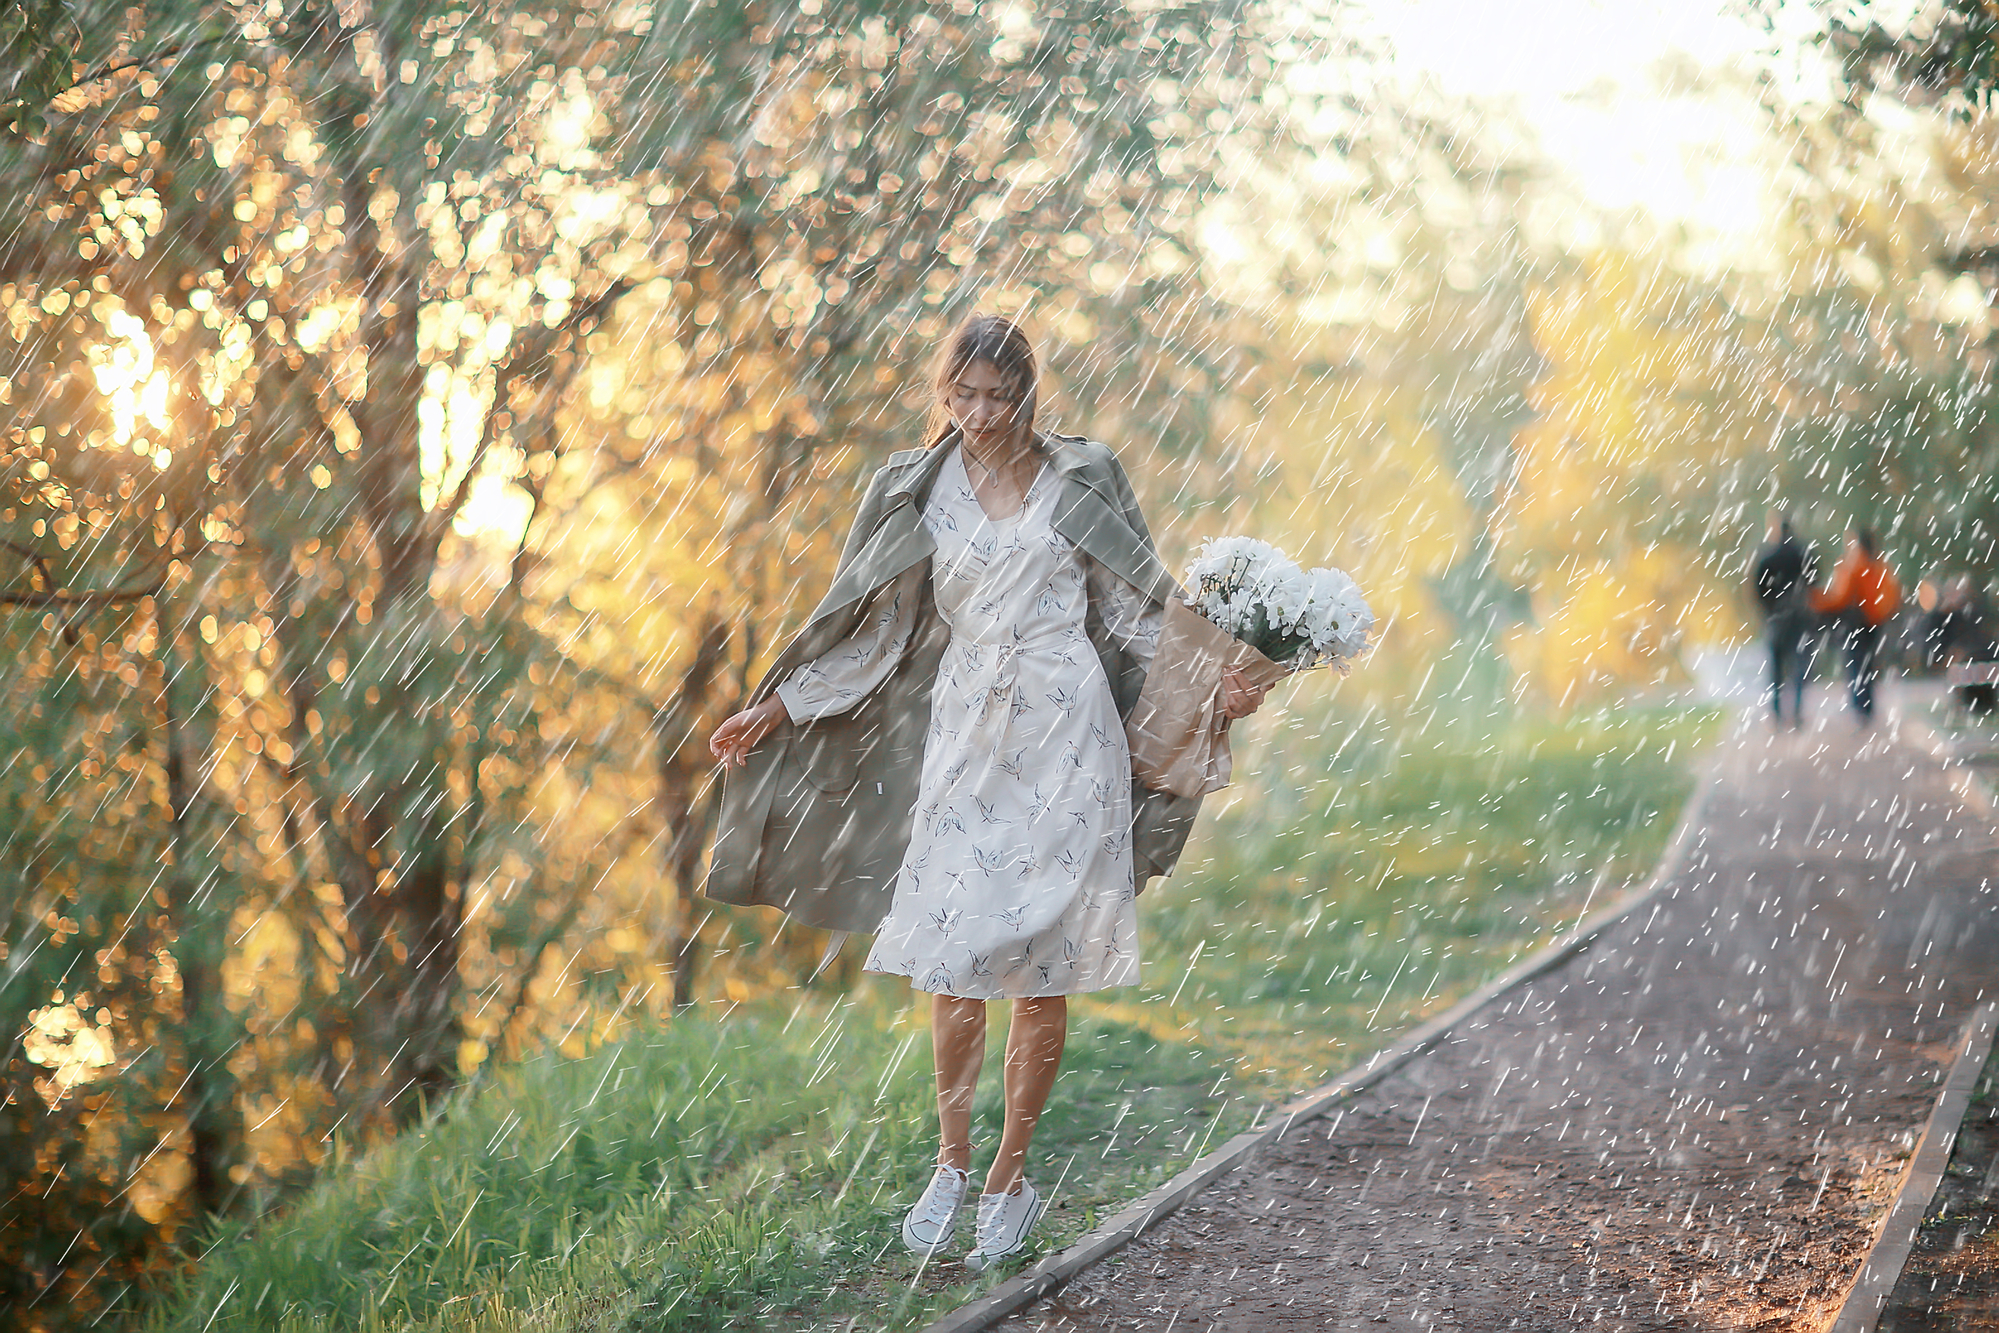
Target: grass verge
1950, 1283
743, 1167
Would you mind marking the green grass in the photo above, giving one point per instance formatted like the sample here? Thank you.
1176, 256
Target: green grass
1395, 866
745, 1167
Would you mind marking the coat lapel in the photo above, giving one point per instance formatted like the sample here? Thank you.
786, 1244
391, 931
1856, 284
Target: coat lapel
1095, 521
899, 539
1088, 514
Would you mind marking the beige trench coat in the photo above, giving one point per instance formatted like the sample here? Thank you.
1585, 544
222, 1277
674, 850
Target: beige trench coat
817, 820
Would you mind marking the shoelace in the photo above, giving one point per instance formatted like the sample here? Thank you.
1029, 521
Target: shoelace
940, 1197
992, 1211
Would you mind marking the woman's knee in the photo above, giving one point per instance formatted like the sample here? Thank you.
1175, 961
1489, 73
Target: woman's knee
957, 1009
1042, 1008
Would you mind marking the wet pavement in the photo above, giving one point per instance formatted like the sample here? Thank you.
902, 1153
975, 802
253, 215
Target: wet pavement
1693, 1124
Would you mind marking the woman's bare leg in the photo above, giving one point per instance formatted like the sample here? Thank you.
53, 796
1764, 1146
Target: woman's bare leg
958, 1040
1034, 1043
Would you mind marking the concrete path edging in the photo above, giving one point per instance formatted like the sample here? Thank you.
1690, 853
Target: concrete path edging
1890, 1251
1022, 1290
1975, 791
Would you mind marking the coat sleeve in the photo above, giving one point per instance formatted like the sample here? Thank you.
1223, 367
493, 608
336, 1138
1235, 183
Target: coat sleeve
1132, 616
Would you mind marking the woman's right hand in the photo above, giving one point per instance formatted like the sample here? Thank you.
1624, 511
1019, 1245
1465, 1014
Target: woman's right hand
739, 733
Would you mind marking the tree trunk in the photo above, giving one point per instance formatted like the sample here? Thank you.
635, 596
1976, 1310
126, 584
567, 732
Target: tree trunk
204, 1096
686, 795
428, 908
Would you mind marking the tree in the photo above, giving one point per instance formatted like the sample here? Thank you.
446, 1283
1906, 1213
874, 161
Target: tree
1851, 386
1947, 51
1381, 274
313, 313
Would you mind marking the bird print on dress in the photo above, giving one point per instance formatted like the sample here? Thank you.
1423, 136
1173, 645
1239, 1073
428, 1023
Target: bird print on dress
1010, 917
1018, 878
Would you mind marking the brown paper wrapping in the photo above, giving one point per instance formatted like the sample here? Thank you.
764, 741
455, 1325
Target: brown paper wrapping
1177, 732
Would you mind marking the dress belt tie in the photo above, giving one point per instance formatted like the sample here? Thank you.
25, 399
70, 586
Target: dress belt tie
993, 683
1002, 672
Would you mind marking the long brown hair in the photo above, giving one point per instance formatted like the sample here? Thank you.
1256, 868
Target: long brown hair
992, 338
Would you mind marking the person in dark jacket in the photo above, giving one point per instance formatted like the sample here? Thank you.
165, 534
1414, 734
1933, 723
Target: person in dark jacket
1782, 584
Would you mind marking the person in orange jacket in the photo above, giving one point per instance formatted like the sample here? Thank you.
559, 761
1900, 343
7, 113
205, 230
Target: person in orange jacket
1863, 594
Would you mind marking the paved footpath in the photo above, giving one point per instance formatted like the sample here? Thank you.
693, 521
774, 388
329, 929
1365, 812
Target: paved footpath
1693, 1124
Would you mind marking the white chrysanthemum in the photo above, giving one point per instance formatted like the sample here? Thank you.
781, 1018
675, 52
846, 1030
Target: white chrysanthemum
1286, 593
1226, 573
1259, 594
1337, 617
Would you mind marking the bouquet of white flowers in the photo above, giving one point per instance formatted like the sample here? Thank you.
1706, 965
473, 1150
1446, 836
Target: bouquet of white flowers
1297, 618
1253, 611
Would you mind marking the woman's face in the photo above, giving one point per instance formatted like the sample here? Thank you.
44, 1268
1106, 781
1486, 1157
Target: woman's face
983, 403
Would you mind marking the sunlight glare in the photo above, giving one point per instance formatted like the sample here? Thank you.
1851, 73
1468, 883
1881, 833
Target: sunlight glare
138, 392
1594, 83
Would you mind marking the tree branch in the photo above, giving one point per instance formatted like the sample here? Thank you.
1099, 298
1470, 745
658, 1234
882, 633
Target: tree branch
531, 363
49, 593
106, 598
1984, 256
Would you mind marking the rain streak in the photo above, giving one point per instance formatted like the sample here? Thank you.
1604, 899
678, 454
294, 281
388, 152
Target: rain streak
491, 494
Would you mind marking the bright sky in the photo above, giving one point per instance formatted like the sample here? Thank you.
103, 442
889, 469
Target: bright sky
1584, 77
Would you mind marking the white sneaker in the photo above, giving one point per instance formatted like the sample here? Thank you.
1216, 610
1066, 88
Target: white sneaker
1004, 1221
934, 1219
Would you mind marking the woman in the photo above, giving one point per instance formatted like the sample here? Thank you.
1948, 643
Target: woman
950, 769
1863, 594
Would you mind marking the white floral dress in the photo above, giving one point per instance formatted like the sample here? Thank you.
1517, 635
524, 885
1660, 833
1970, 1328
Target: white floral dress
1018, 878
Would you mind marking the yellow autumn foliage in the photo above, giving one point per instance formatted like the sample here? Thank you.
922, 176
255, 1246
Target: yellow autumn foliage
1641, 405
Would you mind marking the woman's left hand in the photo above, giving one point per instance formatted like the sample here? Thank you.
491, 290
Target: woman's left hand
1239, 697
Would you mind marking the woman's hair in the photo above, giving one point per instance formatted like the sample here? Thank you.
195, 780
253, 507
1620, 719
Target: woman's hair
995, 339
1865, 536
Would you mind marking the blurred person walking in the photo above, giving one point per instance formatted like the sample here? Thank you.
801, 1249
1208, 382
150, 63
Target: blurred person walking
949, 766
1863, 594
1782, 584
